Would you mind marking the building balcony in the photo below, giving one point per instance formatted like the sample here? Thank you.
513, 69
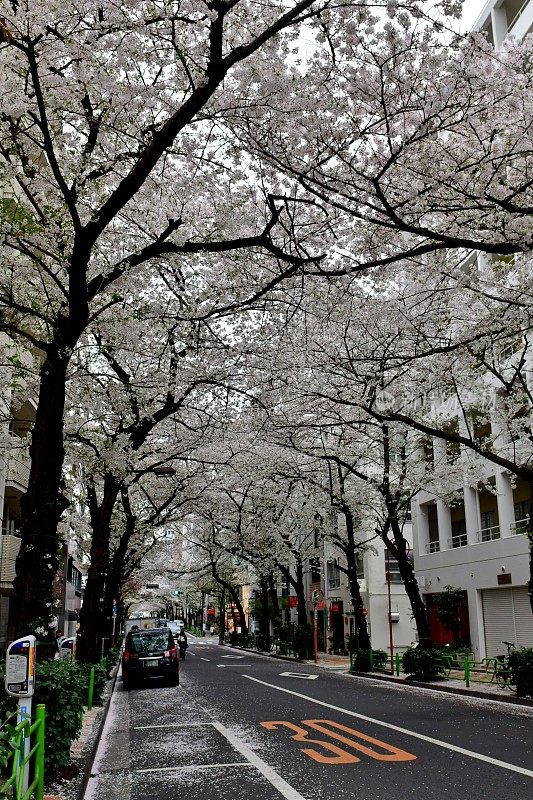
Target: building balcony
488, 534
458, 540
9, 550
18, 472
520, 527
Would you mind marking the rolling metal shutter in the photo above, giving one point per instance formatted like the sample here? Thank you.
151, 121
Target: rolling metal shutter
507, 617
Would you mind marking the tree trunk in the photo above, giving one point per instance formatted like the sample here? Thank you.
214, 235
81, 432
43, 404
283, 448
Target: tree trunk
93, 615
398, 548
222, 618
297, 583
43, 503
350, 551
276, 612
264, 624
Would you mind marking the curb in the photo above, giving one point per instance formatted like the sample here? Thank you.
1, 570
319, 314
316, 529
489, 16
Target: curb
91, 755
521, 701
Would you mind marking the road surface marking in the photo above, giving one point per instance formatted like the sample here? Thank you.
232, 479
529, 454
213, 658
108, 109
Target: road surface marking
204, 659
454, 748
301, 735
231, 656
304, 675
271, 775
195, 767
234, 665
341, 756
173, 725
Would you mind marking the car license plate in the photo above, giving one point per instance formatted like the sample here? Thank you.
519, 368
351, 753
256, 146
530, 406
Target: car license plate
151, 662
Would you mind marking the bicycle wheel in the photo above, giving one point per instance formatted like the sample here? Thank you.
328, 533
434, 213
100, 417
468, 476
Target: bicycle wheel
502, 678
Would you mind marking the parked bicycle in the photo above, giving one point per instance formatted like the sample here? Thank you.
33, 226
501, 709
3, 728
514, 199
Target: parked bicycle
502, 669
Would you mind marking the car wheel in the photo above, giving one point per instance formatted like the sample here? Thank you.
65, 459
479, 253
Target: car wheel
174, 679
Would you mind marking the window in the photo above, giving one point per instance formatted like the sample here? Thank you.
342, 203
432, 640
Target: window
334, 575
316, 572
393, 568
433, 529
459, 537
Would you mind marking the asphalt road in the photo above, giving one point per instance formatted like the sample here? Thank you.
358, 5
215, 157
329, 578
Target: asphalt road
248, 727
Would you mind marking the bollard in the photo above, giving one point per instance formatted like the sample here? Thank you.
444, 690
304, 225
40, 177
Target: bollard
371, 659
40, 716
91, 690
467, 673
397, 664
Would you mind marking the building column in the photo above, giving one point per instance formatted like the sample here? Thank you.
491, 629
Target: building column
475, 618
499, 25
504, 499
472, 518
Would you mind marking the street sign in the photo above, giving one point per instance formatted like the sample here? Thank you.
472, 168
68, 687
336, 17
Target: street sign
317, 595
293, 601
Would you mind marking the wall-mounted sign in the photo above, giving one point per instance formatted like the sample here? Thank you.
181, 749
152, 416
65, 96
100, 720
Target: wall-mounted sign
293, 601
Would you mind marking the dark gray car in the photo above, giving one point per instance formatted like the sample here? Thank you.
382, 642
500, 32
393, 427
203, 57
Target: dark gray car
150, 654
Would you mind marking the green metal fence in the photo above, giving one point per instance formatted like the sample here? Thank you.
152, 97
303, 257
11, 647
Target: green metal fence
22, 762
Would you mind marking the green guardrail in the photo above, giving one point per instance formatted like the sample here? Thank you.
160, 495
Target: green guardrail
21, 762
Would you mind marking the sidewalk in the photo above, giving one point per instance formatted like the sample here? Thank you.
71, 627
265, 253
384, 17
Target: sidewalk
454, 685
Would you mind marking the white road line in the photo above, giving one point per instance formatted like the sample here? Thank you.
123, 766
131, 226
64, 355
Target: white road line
173, 725
192, 767
204, 659
234, 665
415, 734
231, 656
271, 775
305, 675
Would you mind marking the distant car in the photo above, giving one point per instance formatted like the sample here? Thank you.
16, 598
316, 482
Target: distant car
175, 626
150, 654
67, 648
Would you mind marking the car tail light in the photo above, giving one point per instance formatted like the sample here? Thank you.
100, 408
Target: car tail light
172, 652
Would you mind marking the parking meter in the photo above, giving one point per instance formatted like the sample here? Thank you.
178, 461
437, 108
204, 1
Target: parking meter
20, 682
20, 667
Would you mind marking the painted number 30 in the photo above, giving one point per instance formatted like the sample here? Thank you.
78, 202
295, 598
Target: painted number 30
349, 737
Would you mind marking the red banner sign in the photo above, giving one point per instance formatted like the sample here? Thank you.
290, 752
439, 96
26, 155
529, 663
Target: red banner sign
293, 601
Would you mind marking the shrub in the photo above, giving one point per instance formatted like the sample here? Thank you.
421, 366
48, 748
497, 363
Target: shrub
62, 687
422, 664
360, 660
100, 680
234, 638
521, 664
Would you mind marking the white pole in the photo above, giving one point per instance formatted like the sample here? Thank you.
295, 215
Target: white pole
23, 713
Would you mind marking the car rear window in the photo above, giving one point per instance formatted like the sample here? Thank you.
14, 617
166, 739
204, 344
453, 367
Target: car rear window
144, 641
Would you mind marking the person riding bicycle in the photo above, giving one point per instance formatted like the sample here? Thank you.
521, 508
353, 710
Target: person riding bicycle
182, 643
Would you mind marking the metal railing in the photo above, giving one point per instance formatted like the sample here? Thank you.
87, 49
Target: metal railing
21, 761
459, 540
520, 526
488, 534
